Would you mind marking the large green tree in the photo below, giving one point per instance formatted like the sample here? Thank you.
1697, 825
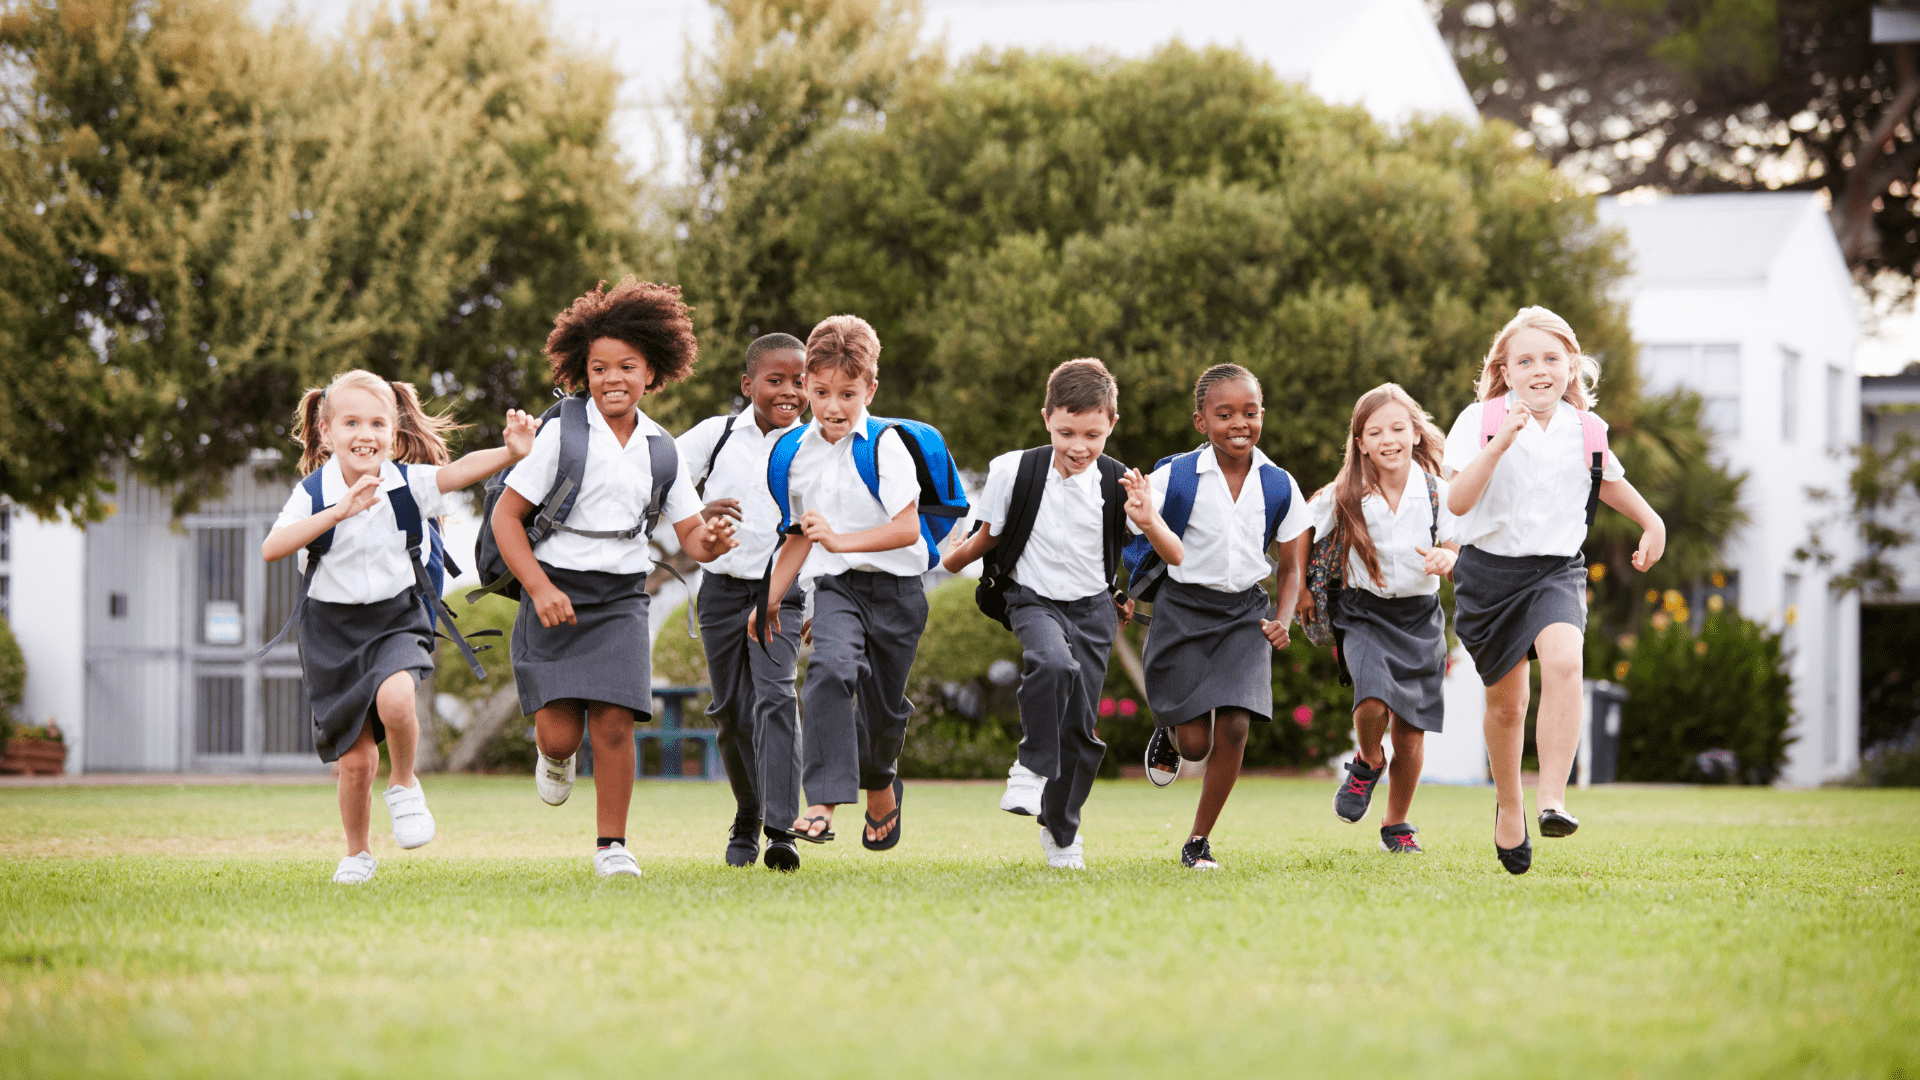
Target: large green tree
201, 215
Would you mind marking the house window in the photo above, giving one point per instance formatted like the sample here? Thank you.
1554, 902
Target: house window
6, 533
1790, 617
289, 719
220, 723
1711, 371
1836, 390
1789, 394
6, 606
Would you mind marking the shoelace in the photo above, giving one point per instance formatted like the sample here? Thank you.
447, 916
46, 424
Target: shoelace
1357, 786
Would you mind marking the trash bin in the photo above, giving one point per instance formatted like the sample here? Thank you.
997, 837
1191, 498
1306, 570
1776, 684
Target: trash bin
1599, 759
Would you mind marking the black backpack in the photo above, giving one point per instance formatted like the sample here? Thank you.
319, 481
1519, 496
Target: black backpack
1023, 508
551, 515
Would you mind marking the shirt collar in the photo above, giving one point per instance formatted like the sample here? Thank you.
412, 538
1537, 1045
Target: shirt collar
642, 424
859, 430
333, 479
1086, 479
1210, 462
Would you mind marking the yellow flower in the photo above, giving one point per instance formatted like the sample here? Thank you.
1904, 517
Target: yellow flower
1715, 603
1597, 572
1653, 596
1620, 671
1673, 599
1699, 648
1719, 581
1682, 614
1793, 614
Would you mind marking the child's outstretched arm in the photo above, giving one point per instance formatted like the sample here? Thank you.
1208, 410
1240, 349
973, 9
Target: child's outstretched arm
481, 464
786, 567
975, 546
1289, 572
706, 538
1622, 496
1467, 485
552, 606
288, 539
1148, 520
902, 531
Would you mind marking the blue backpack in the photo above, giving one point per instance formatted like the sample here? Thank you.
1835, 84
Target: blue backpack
942, 502
429, 579
1145, 571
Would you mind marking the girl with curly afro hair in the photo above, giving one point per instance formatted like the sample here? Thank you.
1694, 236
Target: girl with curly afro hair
581, 658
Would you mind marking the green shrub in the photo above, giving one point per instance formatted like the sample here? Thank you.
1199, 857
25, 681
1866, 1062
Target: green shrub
1890, 764
450, 672
1726, 689
966, 725
13, 680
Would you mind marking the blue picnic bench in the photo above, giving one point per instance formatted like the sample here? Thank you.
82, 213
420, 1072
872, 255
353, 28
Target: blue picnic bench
673, 735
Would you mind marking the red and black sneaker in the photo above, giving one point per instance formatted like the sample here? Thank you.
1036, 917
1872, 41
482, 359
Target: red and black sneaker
1400, 840
1356, 791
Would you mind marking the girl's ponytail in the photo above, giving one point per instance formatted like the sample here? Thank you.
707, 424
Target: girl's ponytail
419, 438
306, 430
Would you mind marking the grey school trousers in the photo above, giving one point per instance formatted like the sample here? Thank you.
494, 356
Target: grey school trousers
1065, 645
866, 628
753, 699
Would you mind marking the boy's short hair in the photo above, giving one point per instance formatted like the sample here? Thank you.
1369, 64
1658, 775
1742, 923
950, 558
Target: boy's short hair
651, 318
846, 344
767, 343
1082, 386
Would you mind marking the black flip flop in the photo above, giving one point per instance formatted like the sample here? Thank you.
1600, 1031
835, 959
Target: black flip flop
887, 842
810, 838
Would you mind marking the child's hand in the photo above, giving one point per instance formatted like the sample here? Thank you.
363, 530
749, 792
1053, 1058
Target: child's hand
553, 608
364, 493
1305, 609
806, 632
1139, 505
720, 533
722, 508
1276, 631
1436, 561
1126, 609
521, 429
1652, 546
813, 526
773, 621
1509, 428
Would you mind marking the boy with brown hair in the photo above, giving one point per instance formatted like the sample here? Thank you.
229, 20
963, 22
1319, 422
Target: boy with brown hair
1053, 528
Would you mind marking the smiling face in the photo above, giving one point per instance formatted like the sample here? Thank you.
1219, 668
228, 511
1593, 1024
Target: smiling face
837, 400
1387, 438
616, 377
359, 430
777, 388
1230, 418
1079, 438
1538, 367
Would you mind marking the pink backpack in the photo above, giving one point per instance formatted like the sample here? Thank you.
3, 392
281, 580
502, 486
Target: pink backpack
1593, 444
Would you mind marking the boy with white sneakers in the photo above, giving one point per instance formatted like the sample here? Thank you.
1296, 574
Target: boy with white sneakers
1053, 527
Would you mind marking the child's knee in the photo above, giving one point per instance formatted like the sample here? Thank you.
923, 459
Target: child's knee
1194, 739
1407, 738
359, 763
610, 726
1372, 709
1230, 731
1050, 664
394, 700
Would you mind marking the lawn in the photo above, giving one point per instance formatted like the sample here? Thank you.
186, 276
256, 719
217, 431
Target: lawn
1685, 932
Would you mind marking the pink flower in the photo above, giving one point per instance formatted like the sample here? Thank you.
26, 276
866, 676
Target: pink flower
1303, 715
1106, 706
1129, 707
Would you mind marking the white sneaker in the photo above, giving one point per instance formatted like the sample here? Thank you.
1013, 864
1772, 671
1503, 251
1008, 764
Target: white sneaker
615, 860
554, 779
1023, 791
412, 823
1071, 857
356, 869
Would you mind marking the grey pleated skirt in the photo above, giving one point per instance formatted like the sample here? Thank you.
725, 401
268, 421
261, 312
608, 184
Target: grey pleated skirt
606, 656
1396, 650
1205, 651
1500, 604
347, 651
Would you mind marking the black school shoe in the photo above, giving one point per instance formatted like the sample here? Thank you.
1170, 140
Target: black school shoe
743, 840
1557, 823
782, 854
1355, 794
1400, 840
1163, 759
1198, 855
1517, 860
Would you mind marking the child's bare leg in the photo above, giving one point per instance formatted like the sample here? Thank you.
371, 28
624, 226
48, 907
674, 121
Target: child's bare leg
1223, 768
1506, 729
558, 728
611, 728
1370, 725
1557, 732
824, 810
357, 768
395, 703
1409, 753
1194, 739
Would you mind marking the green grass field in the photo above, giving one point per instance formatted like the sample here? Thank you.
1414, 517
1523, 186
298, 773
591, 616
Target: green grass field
160, 932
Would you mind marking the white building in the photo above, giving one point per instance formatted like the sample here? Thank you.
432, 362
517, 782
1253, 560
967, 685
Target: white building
1745, 299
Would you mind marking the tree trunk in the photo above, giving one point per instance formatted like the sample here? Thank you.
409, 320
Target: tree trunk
490, 715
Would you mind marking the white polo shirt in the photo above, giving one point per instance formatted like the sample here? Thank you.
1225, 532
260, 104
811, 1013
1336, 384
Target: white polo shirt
1225, 541
1396, 534
614, 491
368, 560
740, 472
823, 478
1063, 558
1536, 501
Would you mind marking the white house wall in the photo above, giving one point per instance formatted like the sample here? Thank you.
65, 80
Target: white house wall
44, 610
1802, 301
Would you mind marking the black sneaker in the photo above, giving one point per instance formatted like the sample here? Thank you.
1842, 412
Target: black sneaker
743, 840
1356, 791
1197, 855
1163, 761
1400, 840
782, 854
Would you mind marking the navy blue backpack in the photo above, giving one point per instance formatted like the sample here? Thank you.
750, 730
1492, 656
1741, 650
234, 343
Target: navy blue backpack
1145, 570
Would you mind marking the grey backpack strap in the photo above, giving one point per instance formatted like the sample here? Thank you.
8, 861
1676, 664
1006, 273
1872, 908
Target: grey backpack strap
700, 482
1433, 505
568, 472
664, 460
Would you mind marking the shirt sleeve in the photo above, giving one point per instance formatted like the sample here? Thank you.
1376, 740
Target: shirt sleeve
696, 445
996, 496
423, 481
533, 476
1298, 515
682, 501
1320, 513
899, 485
1449, 525
299, 508
1463, 442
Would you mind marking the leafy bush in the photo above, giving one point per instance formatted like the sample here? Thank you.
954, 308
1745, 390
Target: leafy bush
1890, 764
1725, 690
13, 680
967, 725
